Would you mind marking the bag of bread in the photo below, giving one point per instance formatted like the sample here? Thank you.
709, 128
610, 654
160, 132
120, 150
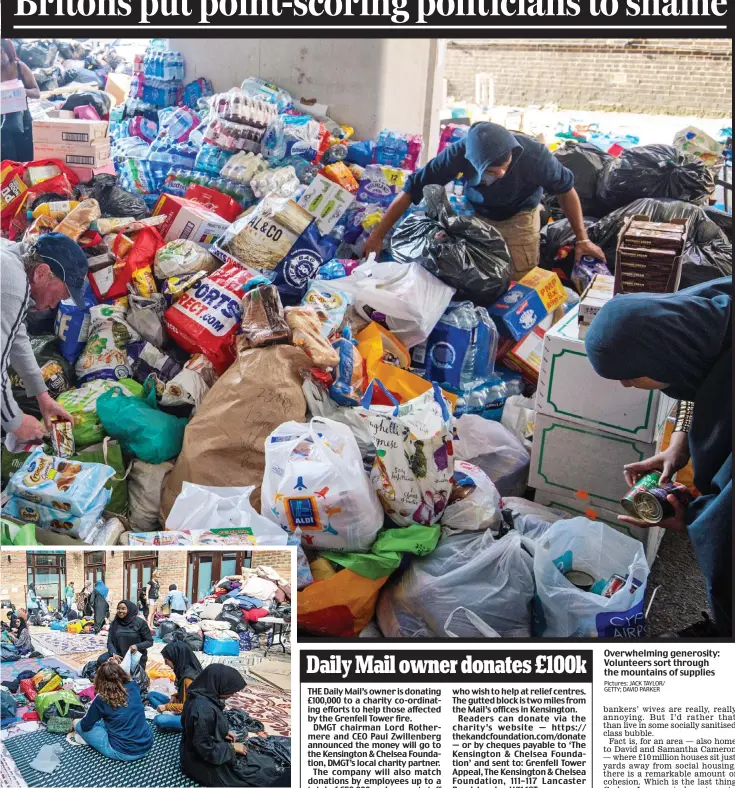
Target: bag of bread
307, 334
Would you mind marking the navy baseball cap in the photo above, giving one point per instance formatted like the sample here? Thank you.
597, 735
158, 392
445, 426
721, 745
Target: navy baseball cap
486, 143
67, 261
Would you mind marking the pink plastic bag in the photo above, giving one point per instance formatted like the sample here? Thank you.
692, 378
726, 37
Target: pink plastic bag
86, 112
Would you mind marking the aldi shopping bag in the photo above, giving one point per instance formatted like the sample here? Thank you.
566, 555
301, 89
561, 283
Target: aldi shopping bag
563, 610
412, 472
314, 480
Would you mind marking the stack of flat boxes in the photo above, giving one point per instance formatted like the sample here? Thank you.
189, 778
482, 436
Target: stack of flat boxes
587, 429
83, 145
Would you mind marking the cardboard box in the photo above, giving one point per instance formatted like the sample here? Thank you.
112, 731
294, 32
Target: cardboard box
570, 389
58, 130
581, 462
599, 291
527, 303
13, 96
326, 201
672, 275
650, 537
87, 173
95, 154
117, 86
525, 356
186, 219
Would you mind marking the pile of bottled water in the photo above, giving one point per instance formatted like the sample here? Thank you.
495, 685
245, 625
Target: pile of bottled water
163, 75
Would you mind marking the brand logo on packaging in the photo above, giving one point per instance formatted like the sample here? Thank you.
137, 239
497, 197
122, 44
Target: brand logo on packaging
303, 513
297, 270
443, 355
528, 318
512, 297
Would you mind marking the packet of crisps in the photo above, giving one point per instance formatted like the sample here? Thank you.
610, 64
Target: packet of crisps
143, 282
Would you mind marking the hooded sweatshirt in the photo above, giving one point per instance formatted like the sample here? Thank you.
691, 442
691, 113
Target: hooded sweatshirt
533, 171
684, 339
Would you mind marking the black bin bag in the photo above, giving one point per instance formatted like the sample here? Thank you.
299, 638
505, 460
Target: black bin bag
465, 252
113, 200
585, 161
557, 246
707, 253
654, 171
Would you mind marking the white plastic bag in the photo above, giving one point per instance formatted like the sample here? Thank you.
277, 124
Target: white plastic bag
314, 480
201, 508
411, 298
462, 620
413, 467
490, 446
130, 661
491, 578
562, 609
479, 509
518, 417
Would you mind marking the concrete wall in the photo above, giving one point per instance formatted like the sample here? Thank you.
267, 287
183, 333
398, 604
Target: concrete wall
368, 84
654, 76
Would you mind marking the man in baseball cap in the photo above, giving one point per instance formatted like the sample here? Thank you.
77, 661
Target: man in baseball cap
36, 278
506, 174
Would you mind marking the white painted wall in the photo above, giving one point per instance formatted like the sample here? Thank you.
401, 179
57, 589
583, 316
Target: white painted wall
369, 84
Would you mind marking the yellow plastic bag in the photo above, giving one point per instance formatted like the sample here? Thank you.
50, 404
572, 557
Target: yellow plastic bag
341, 606
53, 685
388, 360
75, 627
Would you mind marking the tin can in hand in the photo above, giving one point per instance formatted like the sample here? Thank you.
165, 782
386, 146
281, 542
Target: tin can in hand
647, 482
652, 505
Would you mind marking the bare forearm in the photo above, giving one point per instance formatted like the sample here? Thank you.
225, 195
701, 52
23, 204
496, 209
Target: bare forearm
572, 207
396, 209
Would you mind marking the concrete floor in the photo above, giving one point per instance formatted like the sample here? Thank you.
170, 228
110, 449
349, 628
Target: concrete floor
681, 596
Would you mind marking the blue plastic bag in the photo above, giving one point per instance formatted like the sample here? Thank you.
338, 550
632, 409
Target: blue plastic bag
72, 325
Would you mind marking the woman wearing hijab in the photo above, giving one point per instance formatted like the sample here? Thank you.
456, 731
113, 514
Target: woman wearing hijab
16, 135
182, 660
128, 632
115, 723
100, 608
681, 343
22, 638
210, 754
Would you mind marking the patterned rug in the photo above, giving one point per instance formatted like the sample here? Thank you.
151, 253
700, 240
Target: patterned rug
271, 707
66, 643
78, 661
83, 767
9, 670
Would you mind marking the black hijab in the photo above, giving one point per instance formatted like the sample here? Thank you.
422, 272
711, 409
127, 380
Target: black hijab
186, 665
123, 622
216, 680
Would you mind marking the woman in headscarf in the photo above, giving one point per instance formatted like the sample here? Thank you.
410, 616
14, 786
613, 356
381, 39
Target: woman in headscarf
182, 660
115, 723
83, 598
100, 607
22, 638
210, 754
128, 632
681, 343
16, 135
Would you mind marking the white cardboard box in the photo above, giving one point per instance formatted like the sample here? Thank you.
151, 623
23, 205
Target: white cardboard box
326, 201
650, 537
83, 154
57, 130
573, 460
570, 389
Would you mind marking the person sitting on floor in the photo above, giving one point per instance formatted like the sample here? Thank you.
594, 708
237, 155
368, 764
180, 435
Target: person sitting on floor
182, 660
175, 599
209, 752
115, 723
21, 640
128, 632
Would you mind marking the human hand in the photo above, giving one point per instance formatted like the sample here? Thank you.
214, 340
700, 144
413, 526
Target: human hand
373, 244
586, 247
161, 708
669, 461
50, 409
30, 429
231, 736
675, 523
240, 749
115, 658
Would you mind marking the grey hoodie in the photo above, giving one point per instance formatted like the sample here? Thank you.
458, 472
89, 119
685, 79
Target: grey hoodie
15, 298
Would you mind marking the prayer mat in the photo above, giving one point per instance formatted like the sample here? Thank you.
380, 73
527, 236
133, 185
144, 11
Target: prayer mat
84, 767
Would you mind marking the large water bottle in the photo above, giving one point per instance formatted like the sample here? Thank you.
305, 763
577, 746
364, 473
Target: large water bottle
461, 350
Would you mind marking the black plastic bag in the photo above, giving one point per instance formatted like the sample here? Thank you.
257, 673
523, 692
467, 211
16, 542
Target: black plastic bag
585, 161
234, 619
707, 253
167, 628
38, 54
98, 99
113, 200
267, 762
56, 371
654, 171
194, 640
140, 677
48, 78
242, 723
720, 218
71, 50
465, 252
557, 246
86, 77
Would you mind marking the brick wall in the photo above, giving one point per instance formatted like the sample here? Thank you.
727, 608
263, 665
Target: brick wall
173, 567
280, 560
13, 577
654, 76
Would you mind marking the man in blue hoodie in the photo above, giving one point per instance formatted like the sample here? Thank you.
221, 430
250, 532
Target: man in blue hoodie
506, 175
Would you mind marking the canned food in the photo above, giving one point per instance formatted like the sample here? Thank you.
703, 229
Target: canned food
647, 482
652, 505
582, 580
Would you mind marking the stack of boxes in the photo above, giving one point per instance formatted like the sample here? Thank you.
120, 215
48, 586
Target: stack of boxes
587, 428
83, 145
649, 255
598, 293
